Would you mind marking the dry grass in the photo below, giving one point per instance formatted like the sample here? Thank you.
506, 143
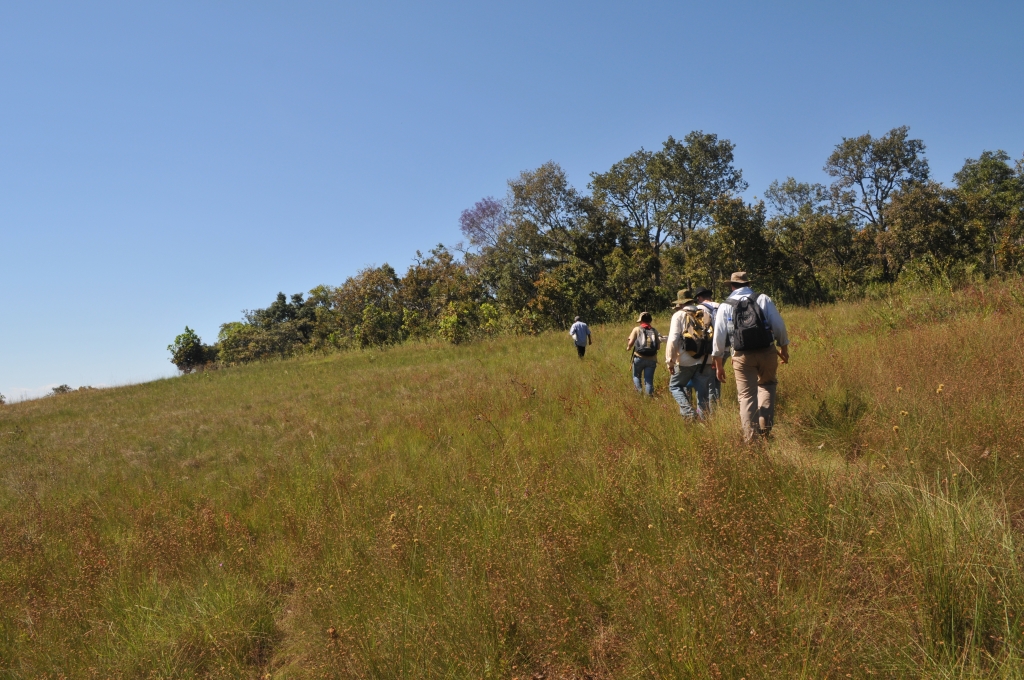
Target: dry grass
504, 510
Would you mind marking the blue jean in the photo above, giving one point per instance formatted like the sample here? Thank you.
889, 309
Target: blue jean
692, 377
645, 367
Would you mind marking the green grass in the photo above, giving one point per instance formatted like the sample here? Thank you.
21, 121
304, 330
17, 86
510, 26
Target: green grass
504, 510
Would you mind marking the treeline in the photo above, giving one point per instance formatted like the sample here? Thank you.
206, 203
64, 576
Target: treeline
654, 222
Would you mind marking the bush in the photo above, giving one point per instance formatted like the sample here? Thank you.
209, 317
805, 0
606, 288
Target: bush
61, 389
188, 351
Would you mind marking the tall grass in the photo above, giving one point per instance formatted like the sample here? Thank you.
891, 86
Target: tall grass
506, 510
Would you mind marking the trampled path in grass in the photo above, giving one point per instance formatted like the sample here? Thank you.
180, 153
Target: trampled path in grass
502, 509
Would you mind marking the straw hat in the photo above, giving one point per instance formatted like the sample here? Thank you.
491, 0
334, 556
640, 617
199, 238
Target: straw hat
739, 277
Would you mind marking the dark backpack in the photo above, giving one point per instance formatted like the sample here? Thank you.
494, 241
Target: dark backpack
647, 342
750, 327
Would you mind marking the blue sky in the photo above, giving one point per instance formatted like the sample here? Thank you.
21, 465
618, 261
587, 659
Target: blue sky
164, 164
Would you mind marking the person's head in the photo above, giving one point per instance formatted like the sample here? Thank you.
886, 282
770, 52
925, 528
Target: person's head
702, 294
645, 317
683, 298
738, 280
575, 318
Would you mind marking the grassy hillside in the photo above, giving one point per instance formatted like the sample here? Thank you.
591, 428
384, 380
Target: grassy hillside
505, 510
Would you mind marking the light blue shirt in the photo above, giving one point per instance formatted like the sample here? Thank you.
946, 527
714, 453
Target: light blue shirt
579, 332
723, 321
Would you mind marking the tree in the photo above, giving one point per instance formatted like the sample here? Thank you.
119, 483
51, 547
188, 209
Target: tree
868, 170
814, 248
484, 223
926, 225
435, 286
61, 389
629, 188
187, 351
692, 175
993, 196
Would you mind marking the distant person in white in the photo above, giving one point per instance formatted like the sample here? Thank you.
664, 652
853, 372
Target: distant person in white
580, 334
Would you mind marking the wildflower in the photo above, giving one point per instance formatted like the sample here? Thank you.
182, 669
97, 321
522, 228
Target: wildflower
394, 546
938, 390
392, 518
904, 414
650, 526
419, 507
896, 429
898, 389
680, 510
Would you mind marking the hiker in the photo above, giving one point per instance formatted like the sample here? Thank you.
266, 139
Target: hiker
751, 325
688, 354
644, 341
704, 298
580, 334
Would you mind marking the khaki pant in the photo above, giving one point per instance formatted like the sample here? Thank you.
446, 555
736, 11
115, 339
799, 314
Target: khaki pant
756, 382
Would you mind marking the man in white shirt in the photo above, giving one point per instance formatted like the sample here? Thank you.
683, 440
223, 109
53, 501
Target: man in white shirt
580, 334
686, 369
751, 325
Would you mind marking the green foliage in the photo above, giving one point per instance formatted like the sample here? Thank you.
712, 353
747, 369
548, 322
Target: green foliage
61, 389
187, 351
655, 222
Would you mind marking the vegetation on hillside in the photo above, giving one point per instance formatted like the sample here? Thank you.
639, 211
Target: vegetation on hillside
502, 509
655, 222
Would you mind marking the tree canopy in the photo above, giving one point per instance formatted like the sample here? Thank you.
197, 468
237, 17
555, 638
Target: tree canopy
652, 223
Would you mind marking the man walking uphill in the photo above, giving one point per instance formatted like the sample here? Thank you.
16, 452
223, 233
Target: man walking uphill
688, 354
751, 325
580, 334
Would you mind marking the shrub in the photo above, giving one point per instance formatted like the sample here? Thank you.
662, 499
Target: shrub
187, 351
61, 389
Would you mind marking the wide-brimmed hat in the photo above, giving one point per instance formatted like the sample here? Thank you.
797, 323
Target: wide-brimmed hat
739, 277
702, 292
684, 297
640, 319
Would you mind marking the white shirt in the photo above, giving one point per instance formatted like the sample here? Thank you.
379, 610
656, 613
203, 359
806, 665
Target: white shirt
723, 321
674, 353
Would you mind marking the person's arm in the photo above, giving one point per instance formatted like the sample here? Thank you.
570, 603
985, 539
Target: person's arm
672, 344
590, 337
632, 337
771, 312
721, 334
720, 368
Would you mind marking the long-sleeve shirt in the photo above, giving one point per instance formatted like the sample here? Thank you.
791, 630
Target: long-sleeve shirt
580, 333
723, 321
674, 354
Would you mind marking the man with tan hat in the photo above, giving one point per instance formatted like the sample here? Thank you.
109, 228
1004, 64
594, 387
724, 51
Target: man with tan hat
688, 354
751, 325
